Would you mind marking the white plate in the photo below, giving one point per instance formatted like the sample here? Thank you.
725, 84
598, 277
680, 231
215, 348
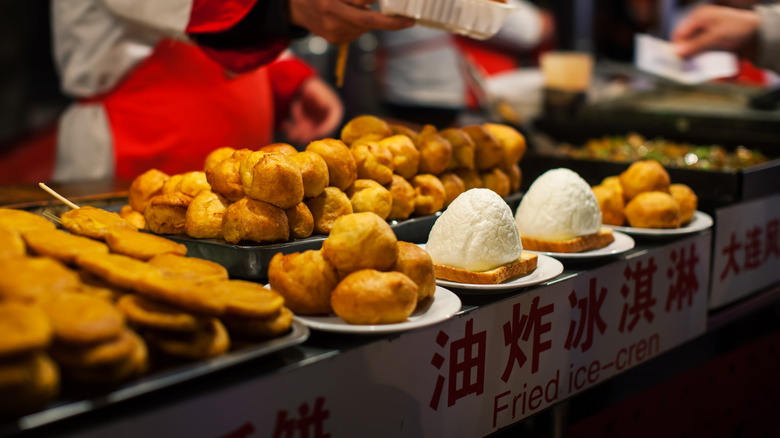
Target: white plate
700, 221
621, 244
444, 305
547, 268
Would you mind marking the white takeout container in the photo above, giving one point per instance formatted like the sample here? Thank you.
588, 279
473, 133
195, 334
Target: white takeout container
479, 19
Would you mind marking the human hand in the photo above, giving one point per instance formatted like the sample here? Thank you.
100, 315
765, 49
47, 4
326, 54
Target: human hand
342, 21
717, 28
315, 112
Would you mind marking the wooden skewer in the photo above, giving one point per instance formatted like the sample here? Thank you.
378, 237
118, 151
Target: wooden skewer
341, 63
52, 217
58, 196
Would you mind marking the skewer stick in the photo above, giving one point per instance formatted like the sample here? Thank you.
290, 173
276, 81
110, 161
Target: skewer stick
58, 196
341, 63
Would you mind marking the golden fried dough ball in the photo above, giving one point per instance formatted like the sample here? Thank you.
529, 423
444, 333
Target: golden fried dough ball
512, 141
190, 268
274, 178
189, 183
258, 221
167, 214
203, 219
25, 328
496, 180
416, 264
369, 296
471, 178
327, 207
283, 148
341, 164
11, 243
215, 156
94, 222
611, 204
65, 247
305, 280
374, 161
314, 171
488, 152
136, 218
404, 130
28, 279
144, 187
406, 157
453, 186
142, 246
225, 177
462, 148
515, 177
686, 199
435, 151
360, 241
300, 220
644, 176
429, 194
369, 195
613, 182
363, 126
403, 198
172, 184
653, 210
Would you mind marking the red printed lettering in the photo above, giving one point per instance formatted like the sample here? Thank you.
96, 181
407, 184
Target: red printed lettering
643, 301
469, 370
590, 317
682, 273
753, 253
730, 252
522, 326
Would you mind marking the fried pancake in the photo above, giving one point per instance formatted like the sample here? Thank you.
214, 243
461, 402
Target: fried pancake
247, 299
208, 341
23, 221
31, 278
93, 222
11, 243
28, 384
81, 319
105, 353
189, 268
148, 313
144, 187
65, 247
259, 328
115, 373
25, 328
97, 286
187, 294
142, 246
120, 270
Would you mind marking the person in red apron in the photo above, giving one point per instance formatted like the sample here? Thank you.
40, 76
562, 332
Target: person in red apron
161, 83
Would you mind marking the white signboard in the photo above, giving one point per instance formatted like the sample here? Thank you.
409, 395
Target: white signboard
471, 375
746, 253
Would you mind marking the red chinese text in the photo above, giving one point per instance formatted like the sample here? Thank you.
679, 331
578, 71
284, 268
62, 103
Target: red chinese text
522, 326
682, 273
640, 304
590, 317
466, 371
309, 424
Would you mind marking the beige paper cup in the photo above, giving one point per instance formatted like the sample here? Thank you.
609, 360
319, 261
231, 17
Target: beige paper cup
569, 71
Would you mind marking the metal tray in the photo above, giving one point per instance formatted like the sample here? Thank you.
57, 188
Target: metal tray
156, 380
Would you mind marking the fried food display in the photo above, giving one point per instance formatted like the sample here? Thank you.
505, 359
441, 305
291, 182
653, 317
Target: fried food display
25, 329
342, 169
360, 241
403, 198
488, 151
135, 218
146, 186
23, 221
463, 148
189, 268
314, 171
512, 141
29, 383
644, 176
453, 186
374, 161
496, 180
148, 313
416, 264
471, 178
225, 177
93, 222
515, 177
404, 130
205, 342
273, 178
215, 157
259, 328
29, 279
300, 220
253, 220
653, 210
82, 319
613, 182
369, 195
142, 246
327, 207
189, 183
247, 299
203, 219
191, 295
282, 148
63, 246
369, 296
11, 243
305, 280
119, 270
611, 204
105, 353
406, 157
167, 214
365, 127
113, 373
435, 151
429, 194
686, 200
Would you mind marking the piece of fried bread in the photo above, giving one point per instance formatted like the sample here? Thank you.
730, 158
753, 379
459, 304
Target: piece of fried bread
523, 266
589, 242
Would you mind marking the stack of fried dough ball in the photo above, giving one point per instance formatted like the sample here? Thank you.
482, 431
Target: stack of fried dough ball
644, 197
277, 193
94, 304
363, 274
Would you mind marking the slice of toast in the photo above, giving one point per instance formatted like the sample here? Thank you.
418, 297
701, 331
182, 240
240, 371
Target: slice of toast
520, 267
596, 240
